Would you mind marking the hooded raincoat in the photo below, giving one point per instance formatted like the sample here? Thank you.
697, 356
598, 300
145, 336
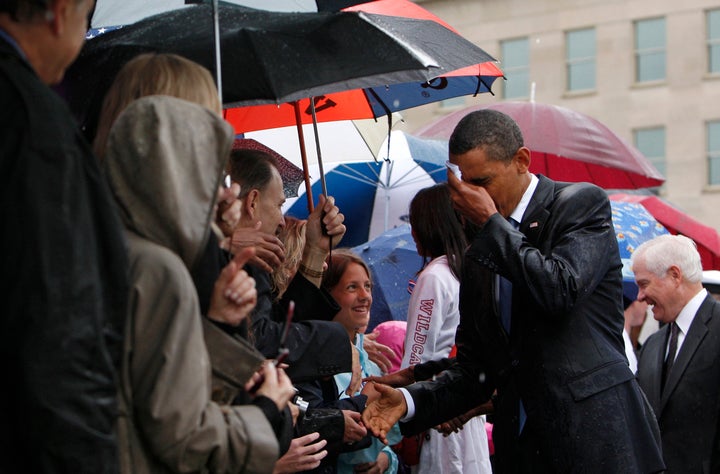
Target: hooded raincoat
164, 162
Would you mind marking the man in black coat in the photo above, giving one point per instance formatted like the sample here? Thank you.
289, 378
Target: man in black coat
317, 348
679, 365
566, 400
63, 266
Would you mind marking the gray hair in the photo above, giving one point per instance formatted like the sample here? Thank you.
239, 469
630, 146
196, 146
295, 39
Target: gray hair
496, 132
26, 10
665, 251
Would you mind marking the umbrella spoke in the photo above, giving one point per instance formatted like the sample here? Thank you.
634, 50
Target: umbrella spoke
354, 174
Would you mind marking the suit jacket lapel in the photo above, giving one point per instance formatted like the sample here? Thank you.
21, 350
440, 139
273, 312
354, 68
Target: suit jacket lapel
697, 332
536, 214
655, 373
533, 222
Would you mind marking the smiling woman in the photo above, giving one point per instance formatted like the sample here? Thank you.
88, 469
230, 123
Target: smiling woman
348, 281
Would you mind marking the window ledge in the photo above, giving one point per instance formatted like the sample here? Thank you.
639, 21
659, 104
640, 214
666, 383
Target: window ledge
582, 93
648, 84
711, 76
711, 189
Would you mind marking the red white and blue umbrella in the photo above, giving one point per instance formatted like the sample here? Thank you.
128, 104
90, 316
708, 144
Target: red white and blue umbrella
374, 196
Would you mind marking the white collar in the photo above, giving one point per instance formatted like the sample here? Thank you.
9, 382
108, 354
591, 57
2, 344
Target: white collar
519, 211
687, 314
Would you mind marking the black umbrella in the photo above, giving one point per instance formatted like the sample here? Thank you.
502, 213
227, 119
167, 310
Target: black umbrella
110, 13
273, 57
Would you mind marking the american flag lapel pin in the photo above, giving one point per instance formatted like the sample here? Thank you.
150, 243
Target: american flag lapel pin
533, 224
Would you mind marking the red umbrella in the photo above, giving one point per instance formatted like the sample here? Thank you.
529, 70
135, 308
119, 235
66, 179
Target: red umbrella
291, 175
677, 222
567, 145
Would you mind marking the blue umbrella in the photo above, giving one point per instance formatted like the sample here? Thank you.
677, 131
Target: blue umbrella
394, 263
430, 155
633, 226
375, 196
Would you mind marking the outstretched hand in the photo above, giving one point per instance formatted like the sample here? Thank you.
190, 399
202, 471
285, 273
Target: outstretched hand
354, 430
377, 352
234, 295
380, 415
356, 375
399, 378
457, 423
305, 453
269, 250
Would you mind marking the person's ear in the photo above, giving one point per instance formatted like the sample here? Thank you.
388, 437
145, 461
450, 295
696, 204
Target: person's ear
251, 203
675, 273
55, 15
522, 159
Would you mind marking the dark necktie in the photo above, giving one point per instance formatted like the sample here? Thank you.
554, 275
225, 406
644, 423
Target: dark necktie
505, 294
505, 307
672, 350
505, 303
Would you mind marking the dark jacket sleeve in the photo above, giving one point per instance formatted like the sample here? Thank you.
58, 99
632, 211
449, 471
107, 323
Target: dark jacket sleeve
281, 421
323, 394
311, 302
317, 348
426, 370
64, 286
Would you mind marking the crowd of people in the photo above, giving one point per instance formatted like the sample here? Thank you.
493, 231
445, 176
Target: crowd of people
161, 319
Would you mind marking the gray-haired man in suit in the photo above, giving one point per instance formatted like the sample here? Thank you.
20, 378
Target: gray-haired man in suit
678, 367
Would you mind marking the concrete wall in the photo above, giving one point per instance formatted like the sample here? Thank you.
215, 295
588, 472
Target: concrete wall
682, 103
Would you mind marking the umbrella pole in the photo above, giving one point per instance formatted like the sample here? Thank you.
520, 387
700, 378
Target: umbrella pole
323, 184
303, 155
218, 65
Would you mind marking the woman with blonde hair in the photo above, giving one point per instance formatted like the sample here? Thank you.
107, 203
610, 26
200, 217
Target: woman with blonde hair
155, 74
292, 236
172, 75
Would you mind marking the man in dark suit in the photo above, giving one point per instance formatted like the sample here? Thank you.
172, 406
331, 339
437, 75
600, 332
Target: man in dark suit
566, 400
679, 365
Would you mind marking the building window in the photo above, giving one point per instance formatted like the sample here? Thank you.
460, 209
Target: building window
713, 151
650, 50
580, 58
515, 61
713, 41
453, 102
651, 143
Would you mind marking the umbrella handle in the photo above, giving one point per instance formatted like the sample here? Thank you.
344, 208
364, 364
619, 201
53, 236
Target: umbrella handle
323, 184
303, 155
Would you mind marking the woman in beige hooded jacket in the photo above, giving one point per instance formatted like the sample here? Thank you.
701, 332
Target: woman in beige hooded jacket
164, 161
